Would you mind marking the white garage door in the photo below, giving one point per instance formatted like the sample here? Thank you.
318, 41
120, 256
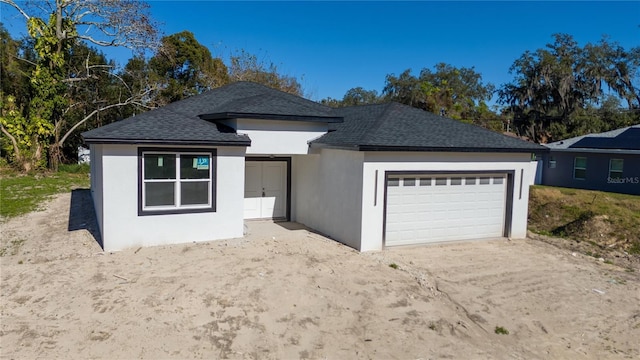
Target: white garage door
434, 208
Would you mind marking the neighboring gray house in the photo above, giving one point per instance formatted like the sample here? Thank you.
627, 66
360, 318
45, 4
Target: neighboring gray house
608, 161
370, 176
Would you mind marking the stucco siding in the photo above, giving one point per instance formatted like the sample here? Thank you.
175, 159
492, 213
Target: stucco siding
597, 173
377, 163
276, 137
328, 194
124, 228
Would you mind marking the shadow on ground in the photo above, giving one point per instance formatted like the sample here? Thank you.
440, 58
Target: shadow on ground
82, 215
292, 225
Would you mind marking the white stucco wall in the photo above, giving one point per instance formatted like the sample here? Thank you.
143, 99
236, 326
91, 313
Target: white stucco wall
275, 137
373, 196
123, 228
327, 192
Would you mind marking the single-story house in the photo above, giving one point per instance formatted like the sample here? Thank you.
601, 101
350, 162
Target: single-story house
370, 176
608, 161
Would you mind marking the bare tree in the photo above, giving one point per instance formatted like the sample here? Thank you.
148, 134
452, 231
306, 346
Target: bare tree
55, 26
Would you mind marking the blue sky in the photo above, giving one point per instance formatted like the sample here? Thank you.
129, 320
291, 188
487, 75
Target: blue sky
335, 46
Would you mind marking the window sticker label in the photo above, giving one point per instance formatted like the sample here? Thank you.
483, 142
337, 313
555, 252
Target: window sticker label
160, 161
201, 163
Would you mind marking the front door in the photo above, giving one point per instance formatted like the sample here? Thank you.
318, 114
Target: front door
265, 187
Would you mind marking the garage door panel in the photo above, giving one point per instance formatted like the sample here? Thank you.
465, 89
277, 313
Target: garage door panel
422, 209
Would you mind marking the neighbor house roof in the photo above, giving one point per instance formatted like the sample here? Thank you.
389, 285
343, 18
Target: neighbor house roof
397, 127
623, 140
186, 121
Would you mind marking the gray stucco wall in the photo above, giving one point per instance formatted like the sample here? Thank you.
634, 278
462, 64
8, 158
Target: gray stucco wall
597, 174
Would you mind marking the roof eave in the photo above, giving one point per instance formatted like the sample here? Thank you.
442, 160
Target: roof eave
317, 145
167, 142
260, 116
437, 149
601, 151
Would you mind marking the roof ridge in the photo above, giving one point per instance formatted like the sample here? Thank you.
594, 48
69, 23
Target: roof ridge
297, 97
362, 105
610, 133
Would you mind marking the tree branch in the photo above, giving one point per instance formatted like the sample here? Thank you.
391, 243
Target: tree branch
21, 59
14, 142
15, 6
72, 80
100, 42
129, 101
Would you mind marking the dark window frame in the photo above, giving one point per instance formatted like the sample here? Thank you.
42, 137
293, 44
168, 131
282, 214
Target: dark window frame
213, 153
618, 172
575, 167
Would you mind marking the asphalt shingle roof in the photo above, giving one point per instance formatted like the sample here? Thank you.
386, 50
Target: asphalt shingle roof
397, 127
182, 121
391, 126
165, 127
627, 138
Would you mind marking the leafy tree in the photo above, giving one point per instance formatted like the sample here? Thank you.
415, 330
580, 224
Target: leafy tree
28, 134
329, 101
353, 97
456, 92
14, 73
247, 67
185, 67
405, 89
556, 89
123, 23
360, 96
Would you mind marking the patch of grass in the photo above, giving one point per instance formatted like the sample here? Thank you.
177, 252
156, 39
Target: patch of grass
393, 265
24, 193
501, 331
600, 218
592, 254
75, 168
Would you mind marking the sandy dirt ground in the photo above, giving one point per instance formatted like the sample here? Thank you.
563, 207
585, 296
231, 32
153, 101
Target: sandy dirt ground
283, 292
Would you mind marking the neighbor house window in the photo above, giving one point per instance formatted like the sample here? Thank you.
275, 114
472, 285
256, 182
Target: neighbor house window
173, 181
580, 168
615, 168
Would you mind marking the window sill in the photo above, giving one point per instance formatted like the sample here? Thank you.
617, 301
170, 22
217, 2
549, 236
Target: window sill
175, 211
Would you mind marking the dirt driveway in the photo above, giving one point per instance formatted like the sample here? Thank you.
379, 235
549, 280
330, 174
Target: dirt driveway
283, 292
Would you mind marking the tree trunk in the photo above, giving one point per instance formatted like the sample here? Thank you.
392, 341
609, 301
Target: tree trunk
55, 156
55, 148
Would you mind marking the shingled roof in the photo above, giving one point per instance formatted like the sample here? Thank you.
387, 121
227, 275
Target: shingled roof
397, 127
625, 139
186, 121
384, 127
